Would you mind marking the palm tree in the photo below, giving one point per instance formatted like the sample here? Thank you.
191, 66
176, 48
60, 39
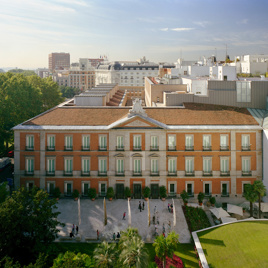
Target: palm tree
251, 196
128, 235
105, 255
260, 190
134, 254
166, 246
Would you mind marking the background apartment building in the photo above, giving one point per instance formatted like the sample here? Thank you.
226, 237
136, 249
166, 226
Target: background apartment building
195, 148
58, 61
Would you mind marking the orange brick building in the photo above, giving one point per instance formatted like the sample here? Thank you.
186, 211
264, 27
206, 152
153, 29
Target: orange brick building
197, 148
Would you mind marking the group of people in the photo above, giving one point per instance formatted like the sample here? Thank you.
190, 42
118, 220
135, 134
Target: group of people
74, 231
170, 208
116, 236
156, 221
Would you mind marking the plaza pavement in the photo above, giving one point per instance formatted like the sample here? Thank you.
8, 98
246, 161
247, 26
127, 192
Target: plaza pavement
92, 218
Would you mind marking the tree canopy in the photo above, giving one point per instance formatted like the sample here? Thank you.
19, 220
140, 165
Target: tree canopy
28, 224
22, 98
69, 92
23, 72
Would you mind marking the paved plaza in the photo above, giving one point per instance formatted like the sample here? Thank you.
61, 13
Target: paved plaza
92, 218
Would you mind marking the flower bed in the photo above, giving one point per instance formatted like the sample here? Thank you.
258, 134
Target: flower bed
196, 218
174, 262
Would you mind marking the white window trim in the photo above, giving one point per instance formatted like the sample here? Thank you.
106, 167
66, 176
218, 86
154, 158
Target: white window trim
228, 186
118, 142
65, 186
173, 159
68, 158
82, 186
207, 158
48, 141
134, 141
228, 161
26, 164
246, 146
71, 141
175, 188
117, 169
210, 141
249, 160
210, 186
99, 165
154, 145
189, 135
28, 136
101, 146
82, 164
48, 185
83, 145
100, 183
27, 184
172, 146
189, 158
157, 165
140, 159
47, 162
189, 182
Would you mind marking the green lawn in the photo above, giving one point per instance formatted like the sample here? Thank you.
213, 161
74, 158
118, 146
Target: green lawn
184, 251
242, 244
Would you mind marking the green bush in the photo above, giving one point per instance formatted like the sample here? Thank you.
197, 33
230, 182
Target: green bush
75, 193
163, 191
184, 196
201, 197
146, 192
56, 192
127, 192
110, 192
92, 193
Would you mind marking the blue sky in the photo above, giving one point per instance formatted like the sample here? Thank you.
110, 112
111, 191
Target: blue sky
129, 29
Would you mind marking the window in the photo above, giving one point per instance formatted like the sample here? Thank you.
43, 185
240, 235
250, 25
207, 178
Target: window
189, 189
154, 143
154, 167
207, 188
68, 143
68, 188
189, 166
225, 189
137, 143
29, 143
207, 166
85, 166
102, 188
120, 167
225, 166
224, 143
172, 167
171, 143
51, 166
206, 142
29, 166
137, 167
120, 143
50, 187
68, 166
103, 143
245, 142
85, 188
171, 189
85, 143
29, 185
189, 142
243, 90
246, 166
102, 167
51, 142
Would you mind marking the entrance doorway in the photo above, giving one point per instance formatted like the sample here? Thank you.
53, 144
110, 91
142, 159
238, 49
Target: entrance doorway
120, 191
155, 191
137, 191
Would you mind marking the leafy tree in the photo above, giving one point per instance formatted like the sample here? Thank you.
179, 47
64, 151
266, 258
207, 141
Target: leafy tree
69, 92
3, 192
50, 93
165, 246
28, 224
72, 260
260, 190
128, 235
251, 196
23, 72
134, 254
105, 255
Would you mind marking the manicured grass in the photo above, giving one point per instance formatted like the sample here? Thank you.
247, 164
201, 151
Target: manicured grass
184, 251
241, 244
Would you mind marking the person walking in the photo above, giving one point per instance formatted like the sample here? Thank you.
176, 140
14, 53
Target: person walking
76, 229
118, 235
114, 236
73, 229
124, 216
142, 205
169, 226
98, 235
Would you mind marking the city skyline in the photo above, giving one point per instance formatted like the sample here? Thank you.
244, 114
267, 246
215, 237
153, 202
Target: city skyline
128, 30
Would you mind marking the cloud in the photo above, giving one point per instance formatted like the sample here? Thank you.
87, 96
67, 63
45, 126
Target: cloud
181, 29
164, 29
244, 21
74, 2
201, 23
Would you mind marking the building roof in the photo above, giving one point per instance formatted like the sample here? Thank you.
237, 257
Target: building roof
191, 115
